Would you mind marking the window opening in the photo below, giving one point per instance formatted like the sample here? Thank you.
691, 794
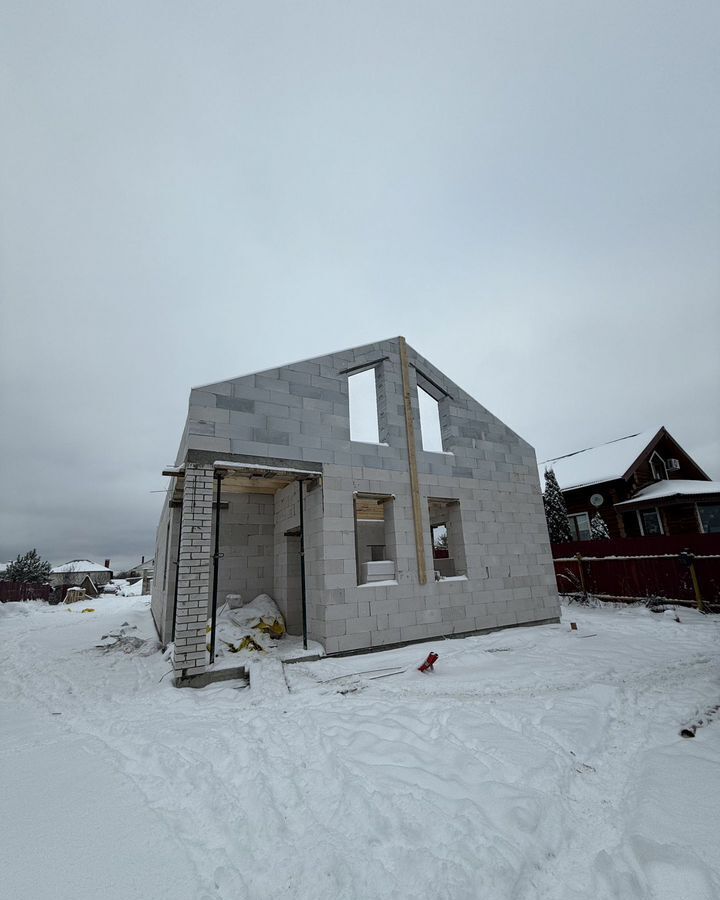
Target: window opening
440, 541
448, 544
650, 523
374, 539
293, 582
363, 407
167, 553
659, 469
580, 526
631, 525
709, 517
430, 431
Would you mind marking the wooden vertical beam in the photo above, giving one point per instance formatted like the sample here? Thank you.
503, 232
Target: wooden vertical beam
696, 587
412, 463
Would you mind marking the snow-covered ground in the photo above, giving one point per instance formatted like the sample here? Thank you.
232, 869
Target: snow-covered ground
534, 763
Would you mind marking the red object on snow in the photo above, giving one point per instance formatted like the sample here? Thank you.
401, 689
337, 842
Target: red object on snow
427, 666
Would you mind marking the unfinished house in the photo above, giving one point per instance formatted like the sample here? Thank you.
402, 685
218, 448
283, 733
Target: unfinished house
431, 524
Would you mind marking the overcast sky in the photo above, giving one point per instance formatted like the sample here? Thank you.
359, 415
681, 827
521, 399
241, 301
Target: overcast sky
529, 192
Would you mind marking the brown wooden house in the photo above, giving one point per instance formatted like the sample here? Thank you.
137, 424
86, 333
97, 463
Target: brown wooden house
643, 485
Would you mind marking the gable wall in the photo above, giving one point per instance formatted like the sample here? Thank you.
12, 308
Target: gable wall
668, 449
300, 413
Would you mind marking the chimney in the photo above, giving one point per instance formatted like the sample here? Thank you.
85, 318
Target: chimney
142, 560
107, 563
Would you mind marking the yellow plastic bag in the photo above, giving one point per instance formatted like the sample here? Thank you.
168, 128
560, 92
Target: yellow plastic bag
275, 629
247, 643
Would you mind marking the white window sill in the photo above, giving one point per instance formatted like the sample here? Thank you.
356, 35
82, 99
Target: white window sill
372, 584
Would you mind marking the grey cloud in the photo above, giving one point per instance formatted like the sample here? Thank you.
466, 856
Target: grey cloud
528, 192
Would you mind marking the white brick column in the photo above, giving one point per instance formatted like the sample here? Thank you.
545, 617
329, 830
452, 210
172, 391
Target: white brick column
194, 571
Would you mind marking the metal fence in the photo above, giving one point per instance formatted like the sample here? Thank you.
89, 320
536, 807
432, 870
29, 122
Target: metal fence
671, 568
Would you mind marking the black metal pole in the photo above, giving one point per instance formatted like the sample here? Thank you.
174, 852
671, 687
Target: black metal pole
216, 563
302, 565
357, 550
177, 574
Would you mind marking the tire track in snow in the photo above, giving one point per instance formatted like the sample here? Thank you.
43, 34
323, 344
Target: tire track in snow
598, 860
379, 793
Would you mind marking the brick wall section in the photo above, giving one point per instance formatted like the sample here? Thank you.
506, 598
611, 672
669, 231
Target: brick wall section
194, 571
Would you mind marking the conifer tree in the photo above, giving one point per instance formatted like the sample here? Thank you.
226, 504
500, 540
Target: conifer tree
555, 510
598, 528
28, 568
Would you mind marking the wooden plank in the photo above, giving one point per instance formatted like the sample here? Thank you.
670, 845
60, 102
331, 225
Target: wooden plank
412, 462
369, 509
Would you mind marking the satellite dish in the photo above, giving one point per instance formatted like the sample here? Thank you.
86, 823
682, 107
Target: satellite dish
597, 500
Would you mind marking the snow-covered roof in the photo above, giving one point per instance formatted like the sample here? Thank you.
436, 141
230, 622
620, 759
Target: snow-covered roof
3, 567
662, 490
595, 465
80, 565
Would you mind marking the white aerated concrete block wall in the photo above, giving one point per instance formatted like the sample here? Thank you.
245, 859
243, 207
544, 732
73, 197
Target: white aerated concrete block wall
247, 542
298, 416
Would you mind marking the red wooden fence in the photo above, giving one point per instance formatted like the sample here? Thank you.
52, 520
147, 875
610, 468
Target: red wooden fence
640, 568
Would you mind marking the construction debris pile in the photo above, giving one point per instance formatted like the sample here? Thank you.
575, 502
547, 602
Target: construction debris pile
121, 642
255, 626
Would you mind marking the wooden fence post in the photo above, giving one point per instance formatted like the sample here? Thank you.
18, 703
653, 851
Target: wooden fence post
696, 587
581, 572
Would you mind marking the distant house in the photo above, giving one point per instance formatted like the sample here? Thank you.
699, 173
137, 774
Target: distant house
643, 485
76, 572
143, 568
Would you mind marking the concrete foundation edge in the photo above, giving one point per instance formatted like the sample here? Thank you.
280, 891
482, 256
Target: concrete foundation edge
240, 672
442, 637
203, 679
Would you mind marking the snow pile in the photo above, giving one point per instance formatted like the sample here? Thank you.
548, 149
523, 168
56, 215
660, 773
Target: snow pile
132, 590
533, 764
115, 586
267, 679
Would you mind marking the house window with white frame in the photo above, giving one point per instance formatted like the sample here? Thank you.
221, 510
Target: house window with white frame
709, 515
659, 469
580, 526
650, 522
